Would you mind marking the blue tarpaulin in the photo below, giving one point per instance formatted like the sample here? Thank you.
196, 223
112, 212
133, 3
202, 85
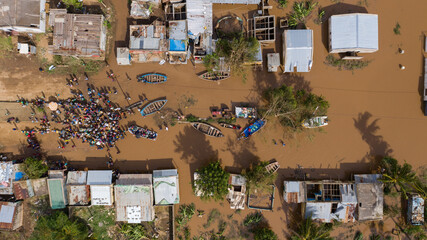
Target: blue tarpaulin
176, 45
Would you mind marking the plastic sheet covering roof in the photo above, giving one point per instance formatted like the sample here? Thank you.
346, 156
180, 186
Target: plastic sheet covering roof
236, 1
134, 198
56, 193
294, 192
99, 177
354, 31
6, 175
199, 17
416, 210
101, 195
298, 50
166, 187
76, 177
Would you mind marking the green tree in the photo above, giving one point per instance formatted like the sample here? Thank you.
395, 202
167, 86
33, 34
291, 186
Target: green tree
73, 3
292, 107
264, 233
34, 167
212, 182
133, 231
59, 226
258, 178
309, 230
400, 176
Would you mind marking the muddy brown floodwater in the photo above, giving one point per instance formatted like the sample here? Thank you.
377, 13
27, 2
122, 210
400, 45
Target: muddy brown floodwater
374, 112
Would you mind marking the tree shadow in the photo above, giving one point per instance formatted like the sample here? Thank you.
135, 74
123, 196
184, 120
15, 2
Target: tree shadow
242, 152
195, 149
336, 9
378, 148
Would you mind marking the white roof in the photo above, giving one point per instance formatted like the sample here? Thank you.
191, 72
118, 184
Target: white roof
199, 17
123, 57
354, 31
6, 213
178, 30
318, 211
298, 50
166, 187
99, 177
100, 195
133, 214
77, 177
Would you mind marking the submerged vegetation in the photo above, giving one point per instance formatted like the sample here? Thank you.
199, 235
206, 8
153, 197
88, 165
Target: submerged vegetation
300, 12
133, 231
396, 29
291, 107
212, 182
342, 64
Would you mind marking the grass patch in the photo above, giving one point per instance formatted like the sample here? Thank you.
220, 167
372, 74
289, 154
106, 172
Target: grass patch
100, 220
67, 65
6, 44
346, 64
396, 29
213, 215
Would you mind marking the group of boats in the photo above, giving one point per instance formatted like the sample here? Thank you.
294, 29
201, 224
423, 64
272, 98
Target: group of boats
205, 128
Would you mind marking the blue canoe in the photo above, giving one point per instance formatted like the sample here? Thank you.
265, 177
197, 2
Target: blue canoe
153, 107
153, 78
252, 129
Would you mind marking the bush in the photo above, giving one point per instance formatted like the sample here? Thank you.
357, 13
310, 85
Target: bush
59, 226
346, 64
257, 177
396, 29
301, 10
185, 213
6, 44
73, 3
133, 231
35, 168
253, 218
212, 182
264, 233
283, 3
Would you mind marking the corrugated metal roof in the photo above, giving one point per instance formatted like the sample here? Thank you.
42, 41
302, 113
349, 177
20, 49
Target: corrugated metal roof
370, 198
348, 193
23, 189
99, 177
178, 30
101, 195
134, 179
134, 196
166, 187
353, 31
78, 194
318, 211
56, 173
76, 177
237, 180
56, 193
294, 192
298, 50
6, 213
199, 17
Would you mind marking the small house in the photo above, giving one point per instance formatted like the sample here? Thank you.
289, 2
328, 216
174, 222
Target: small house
77, 188
101, 187
273, 61
148, 43
24, 16
24, 189
236, 195
178, 42
11, 215
298, 50
80, 35
134, 198
355, 32
25, 48
56, 188
416, 209
370, 197
123, 56
166, 187
294, 191
6, 178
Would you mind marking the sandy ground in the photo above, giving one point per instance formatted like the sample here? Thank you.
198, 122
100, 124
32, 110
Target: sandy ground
374, 112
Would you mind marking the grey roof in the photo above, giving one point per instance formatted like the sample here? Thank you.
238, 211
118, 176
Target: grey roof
99, 177
298, 50
123, 56
134, 179
78, 194
370, 198
294, 191
76, 177
134, 202
367, 178
6, 213
166, 187
237, 180
23, 13
178, 30
354, 31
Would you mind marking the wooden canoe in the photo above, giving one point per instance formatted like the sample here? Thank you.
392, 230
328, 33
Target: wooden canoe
153, 78
207, 129
153, 107
215, 76
272, 167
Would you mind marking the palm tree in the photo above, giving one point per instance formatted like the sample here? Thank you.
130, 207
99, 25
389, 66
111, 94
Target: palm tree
310, 230
398, 175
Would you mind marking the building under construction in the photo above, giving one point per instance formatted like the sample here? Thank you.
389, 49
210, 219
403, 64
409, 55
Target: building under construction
263, 28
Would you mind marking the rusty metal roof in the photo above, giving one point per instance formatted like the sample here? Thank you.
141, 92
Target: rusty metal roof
78, 194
